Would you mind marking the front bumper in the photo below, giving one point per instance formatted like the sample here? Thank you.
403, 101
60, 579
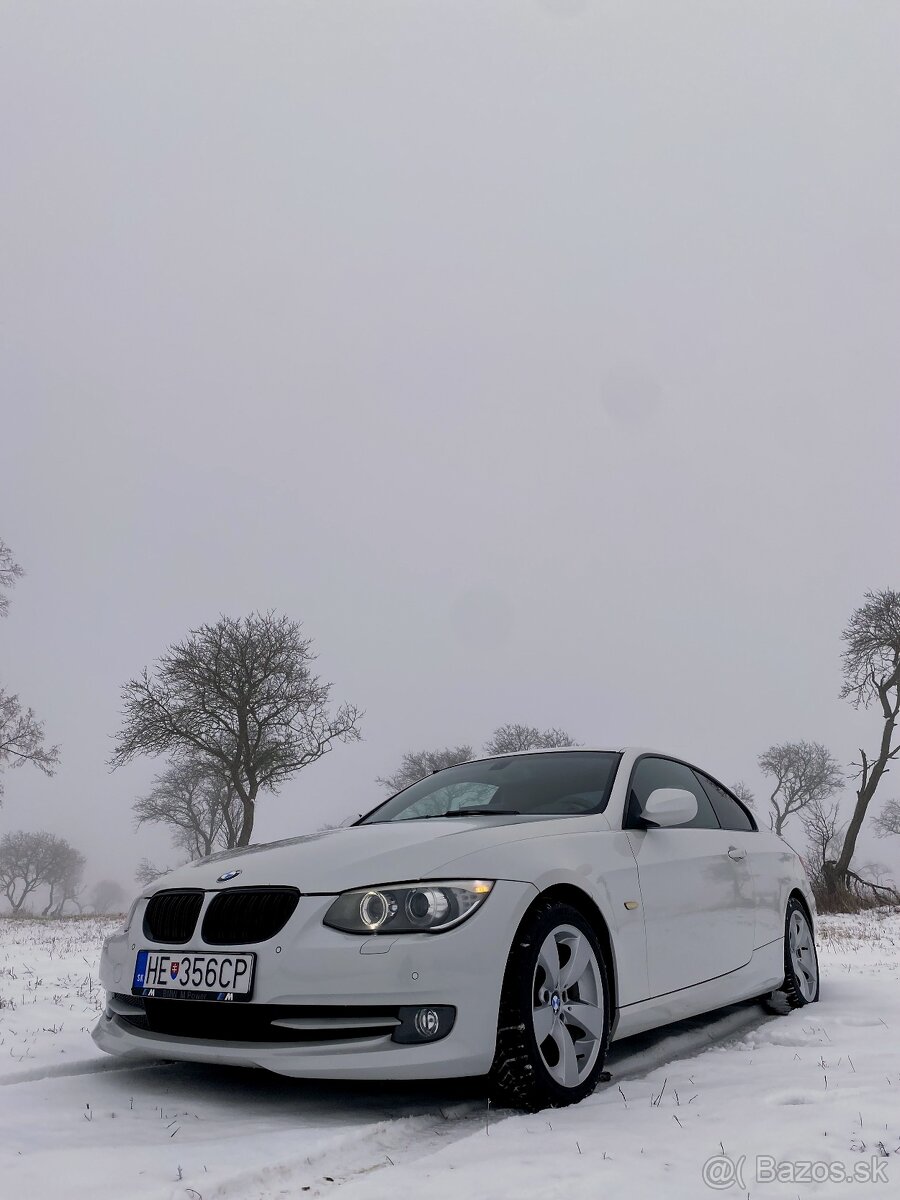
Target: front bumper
309, 964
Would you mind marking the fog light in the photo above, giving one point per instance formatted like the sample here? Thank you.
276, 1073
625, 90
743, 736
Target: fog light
428, 1023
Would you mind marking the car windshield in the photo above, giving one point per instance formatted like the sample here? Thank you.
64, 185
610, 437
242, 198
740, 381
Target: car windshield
549, 784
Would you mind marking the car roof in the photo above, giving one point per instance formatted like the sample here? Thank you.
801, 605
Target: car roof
566, 749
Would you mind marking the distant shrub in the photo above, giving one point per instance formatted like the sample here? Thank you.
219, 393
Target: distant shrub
831, 899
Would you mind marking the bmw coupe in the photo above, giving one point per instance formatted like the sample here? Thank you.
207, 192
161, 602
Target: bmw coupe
506, 917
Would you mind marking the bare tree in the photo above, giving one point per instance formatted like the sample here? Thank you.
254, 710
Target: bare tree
743, 793
29, 861
887, 823
419, 763
871, 665
198, 803
508, 739
147, 873
803, 773
10, 571
63, 875
240, 693
24, 861
879, 883
869, 886
21, 733
22, 738
107, 896
822, 825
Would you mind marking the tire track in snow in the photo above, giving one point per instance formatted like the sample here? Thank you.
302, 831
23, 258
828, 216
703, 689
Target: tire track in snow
87, 1066
407, 1138
645, 1052
403, 1139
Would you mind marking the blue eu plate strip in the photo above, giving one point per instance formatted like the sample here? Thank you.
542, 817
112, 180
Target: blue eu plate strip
140, 969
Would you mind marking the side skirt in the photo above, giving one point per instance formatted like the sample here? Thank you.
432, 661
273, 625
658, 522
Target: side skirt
763, 973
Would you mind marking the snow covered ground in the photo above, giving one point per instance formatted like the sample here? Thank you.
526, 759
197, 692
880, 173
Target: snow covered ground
821, 1086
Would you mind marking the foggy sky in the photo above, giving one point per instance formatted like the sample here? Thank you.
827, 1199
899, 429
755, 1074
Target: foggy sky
541, 358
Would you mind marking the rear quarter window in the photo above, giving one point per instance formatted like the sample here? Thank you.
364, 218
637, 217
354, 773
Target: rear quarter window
729, 810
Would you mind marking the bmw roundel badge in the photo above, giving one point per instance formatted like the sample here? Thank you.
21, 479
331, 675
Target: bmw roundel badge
227, 875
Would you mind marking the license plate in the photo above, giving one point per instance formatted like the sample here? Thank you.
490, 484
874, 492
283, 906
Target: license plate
191, 976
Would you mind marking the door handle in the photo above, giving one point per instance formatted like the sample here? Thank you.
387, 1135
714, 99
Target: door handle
736, 853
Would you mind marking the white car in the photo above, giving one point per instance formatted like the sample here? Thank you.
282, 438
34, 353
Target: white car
506, 917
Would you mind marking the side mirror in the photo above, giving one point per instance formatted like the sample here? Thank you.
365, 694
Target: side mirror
666, 807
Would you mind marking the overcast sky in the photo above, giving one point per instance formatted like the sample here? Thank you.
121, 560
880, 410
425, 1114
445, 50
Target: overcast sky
541, 357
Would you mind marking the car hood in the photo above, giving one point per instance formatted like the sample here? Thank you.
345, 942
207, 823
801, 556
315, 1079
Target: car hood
335, 860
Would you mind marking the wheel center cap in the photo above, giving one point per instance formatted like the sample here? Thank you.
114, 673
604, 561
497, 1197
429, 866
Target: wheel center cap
555, 1002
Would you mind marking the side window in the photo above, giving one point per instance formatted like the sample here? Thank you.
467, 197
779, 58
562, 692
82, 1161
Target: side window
730, 813
653, 773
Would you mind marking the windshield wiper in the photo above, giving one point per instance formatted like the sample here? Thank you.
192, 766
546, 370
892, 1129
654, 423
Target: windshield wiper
457, 812
483, 812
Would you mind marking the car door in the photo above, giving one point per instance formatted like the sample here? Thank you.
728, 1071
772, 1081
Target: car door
695, 882
765, 859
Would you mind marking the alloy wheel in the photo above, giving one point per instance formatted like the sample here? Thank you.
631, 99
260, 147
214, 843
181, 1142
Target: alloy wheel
567, 1005
803, 955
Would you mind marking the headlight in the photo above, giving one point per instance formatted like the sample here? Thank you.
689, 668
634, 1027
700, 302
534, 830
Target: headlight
429, 907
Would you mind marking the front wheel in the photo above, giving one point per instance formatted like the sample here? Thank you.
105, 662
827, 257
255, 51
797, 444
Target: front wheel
553, 1030
801, 963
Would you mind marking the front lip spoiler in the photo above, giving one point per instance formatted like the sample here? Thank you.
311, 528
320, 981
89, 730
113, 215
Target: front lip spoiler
225, 1050
373, 1059
213, 1023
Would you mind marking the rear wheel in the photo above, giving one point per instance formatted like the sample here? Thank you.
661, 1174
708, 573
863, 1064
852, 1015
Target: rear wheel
554, 1012
801, 963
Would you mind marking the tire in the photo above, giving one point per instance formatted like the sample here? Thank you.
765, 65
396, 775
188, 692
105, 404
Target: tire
801, 963
562, 995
